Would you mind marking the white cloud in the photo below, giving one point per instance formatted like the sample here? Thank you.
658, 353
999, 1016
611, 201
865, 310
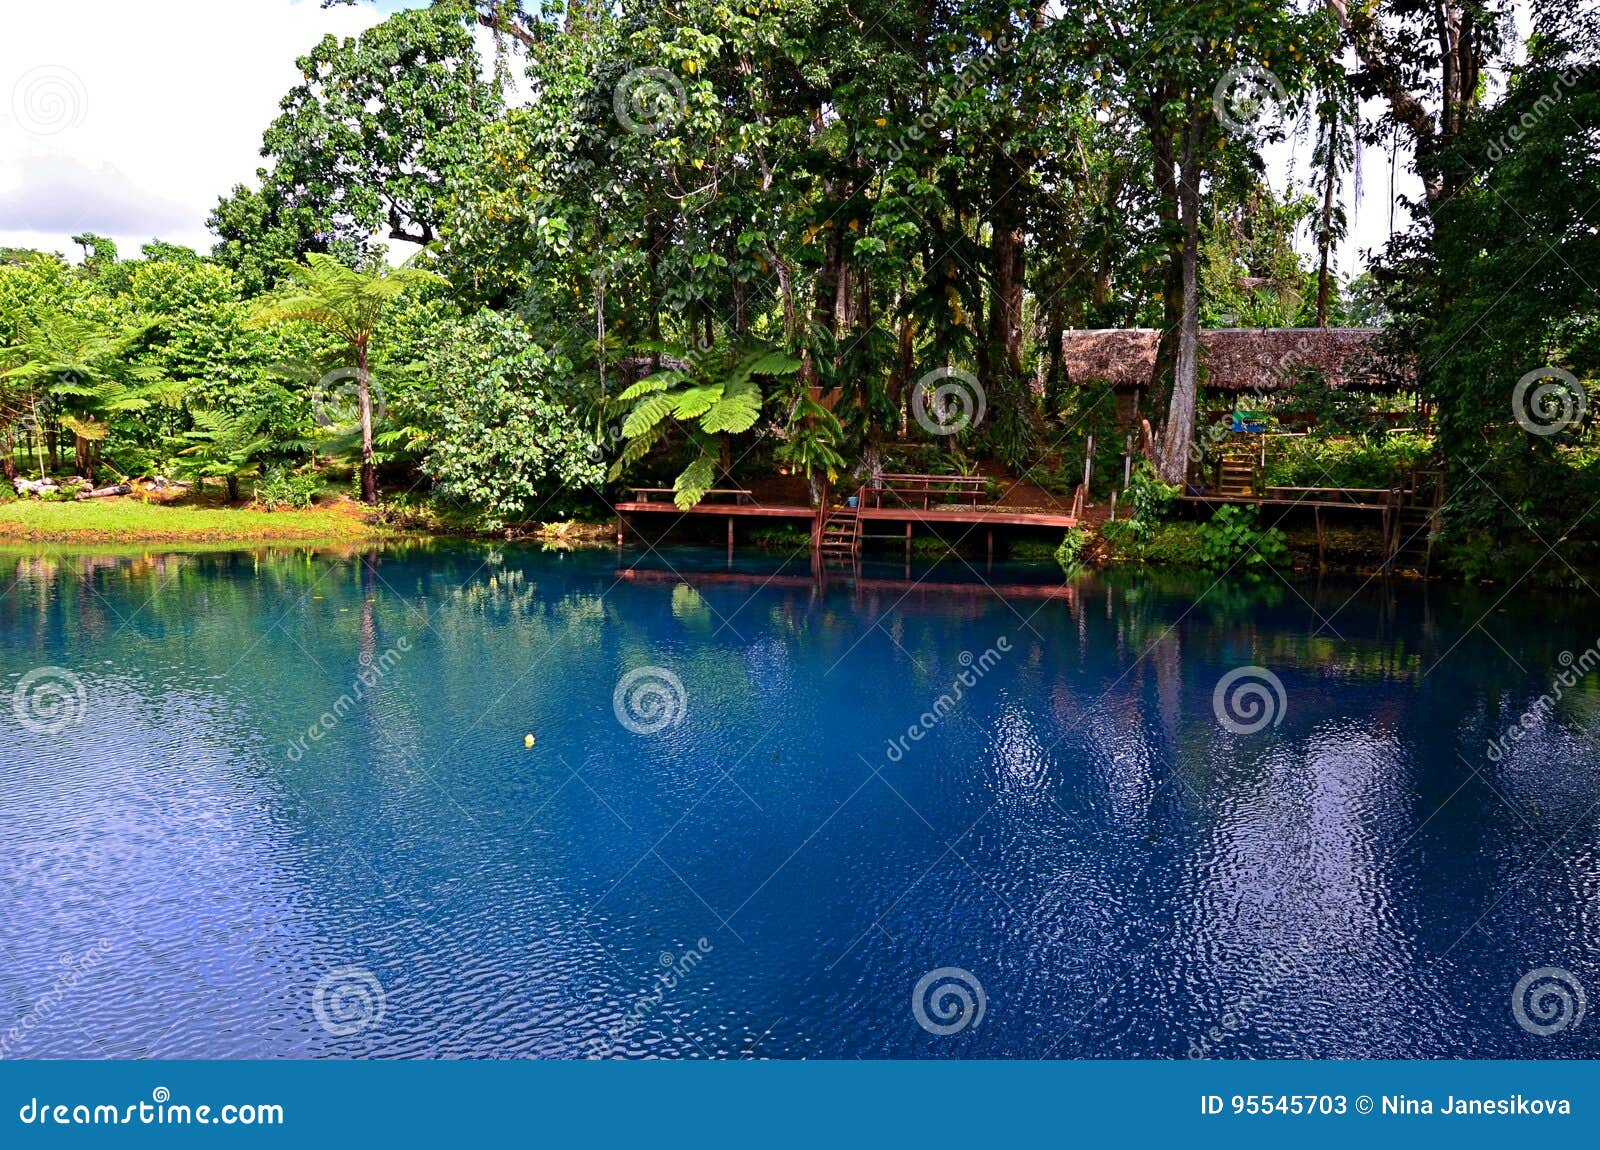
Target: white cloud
131, 119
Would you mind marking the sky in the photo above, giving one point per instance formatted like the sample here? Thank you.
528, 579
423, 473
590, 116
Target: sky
132, 119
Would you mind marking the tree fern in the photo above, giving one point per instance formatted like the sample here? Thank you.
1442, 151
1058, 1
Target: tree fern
716, 397
350, 304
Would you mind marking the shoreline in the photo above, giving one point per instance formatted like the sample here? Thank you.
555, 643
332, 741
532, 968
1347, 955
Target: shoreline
342, 523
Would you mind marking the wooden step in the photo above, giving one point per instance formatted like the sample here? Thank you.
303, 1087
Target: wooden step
838, 541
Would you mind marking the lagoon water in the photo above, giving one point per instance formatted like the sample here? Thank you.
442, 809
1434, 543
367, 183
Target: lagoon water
745, 851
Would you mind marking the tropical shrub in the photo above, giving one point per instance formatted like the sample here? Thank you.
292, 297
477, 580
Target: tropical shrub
1070, 554
1350, 461
1234, 541
1150, 501
1167, 544
224, 445
278, 488
499, 443
811, 444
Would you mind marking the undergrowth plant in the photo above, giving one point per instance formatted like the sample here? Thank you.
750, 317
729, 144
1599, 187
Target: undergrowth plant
1235, 541
1070, 554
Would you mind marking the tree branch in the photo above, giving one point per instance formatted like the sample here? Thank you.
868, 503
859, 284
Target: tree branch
1366, 38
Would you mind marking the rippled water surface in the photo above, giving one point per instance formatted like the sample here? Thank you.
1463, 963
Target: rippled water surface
187, 871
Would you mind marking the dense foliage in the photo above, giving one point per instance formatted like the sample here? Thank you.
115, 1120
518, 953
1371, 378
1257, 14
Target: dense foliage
1234, 542
1495, 294
693, 241
498, 439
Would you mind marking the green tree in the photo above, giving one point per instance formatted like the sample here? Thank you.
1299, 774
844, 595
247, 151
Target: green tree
226, 444
1492, 296
1198, 78
350, 305
86, 368
496, 435
363, 146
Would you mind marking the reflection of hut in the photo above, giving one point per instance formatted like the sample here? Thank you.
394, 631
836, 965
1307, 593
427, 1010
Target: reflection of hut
1235, 360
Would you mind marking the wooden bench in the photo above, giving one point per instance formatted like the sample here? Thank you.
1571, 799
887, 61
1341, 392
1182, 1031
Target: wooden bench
739, 494
969, 489
1356, 495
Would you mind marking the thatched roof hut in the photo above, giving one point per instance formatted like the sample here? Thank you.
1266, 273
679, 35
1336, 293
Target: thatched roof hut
1239, 359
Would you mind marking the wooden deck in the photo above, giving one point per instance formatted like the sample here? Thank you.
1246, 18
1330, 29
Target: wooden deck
971, 515
993, 517
728, 510
900, 502
1408, 513
1264, 501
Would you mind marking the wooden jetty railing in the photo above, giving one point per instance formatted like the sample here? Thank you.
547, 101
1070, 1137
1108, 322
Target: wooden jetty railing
971, 489
838, 526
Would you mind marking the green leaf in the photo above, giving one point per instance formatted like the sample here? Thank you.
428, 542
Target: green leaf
773, 363
692, 485
737, 410
696, 401
636, 449
650, 411
660, 381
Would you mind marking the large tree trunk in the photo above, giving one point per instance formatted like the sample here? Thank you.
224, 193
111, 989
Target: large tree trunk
1330, 180
905, 363
1166, 162
1179, 437
369, 471
1054, 327
653, 240
1324, 244
1010, 410
824, 306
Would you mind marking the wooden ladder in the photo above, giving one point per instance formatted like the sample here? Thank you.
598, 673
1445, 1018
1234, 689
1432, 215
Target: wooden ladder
839, 538
1238, 478
1413, 534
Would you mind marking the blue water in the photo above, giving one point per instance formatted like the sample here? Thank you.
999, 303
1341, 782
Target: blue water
1110, 870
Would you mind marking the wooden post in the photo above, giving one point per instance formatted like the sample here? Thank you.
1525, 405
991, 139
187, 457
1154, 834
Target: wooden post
991, 547
1088, 462
619, 529
730, 539
1113, 505
908, 542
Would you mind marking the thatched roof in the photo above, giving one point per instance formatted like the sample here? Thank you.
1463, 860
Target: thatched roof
1238, 359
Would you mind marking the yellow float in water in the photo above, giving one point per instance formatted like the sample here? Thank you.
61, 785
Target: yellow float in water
528, 741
